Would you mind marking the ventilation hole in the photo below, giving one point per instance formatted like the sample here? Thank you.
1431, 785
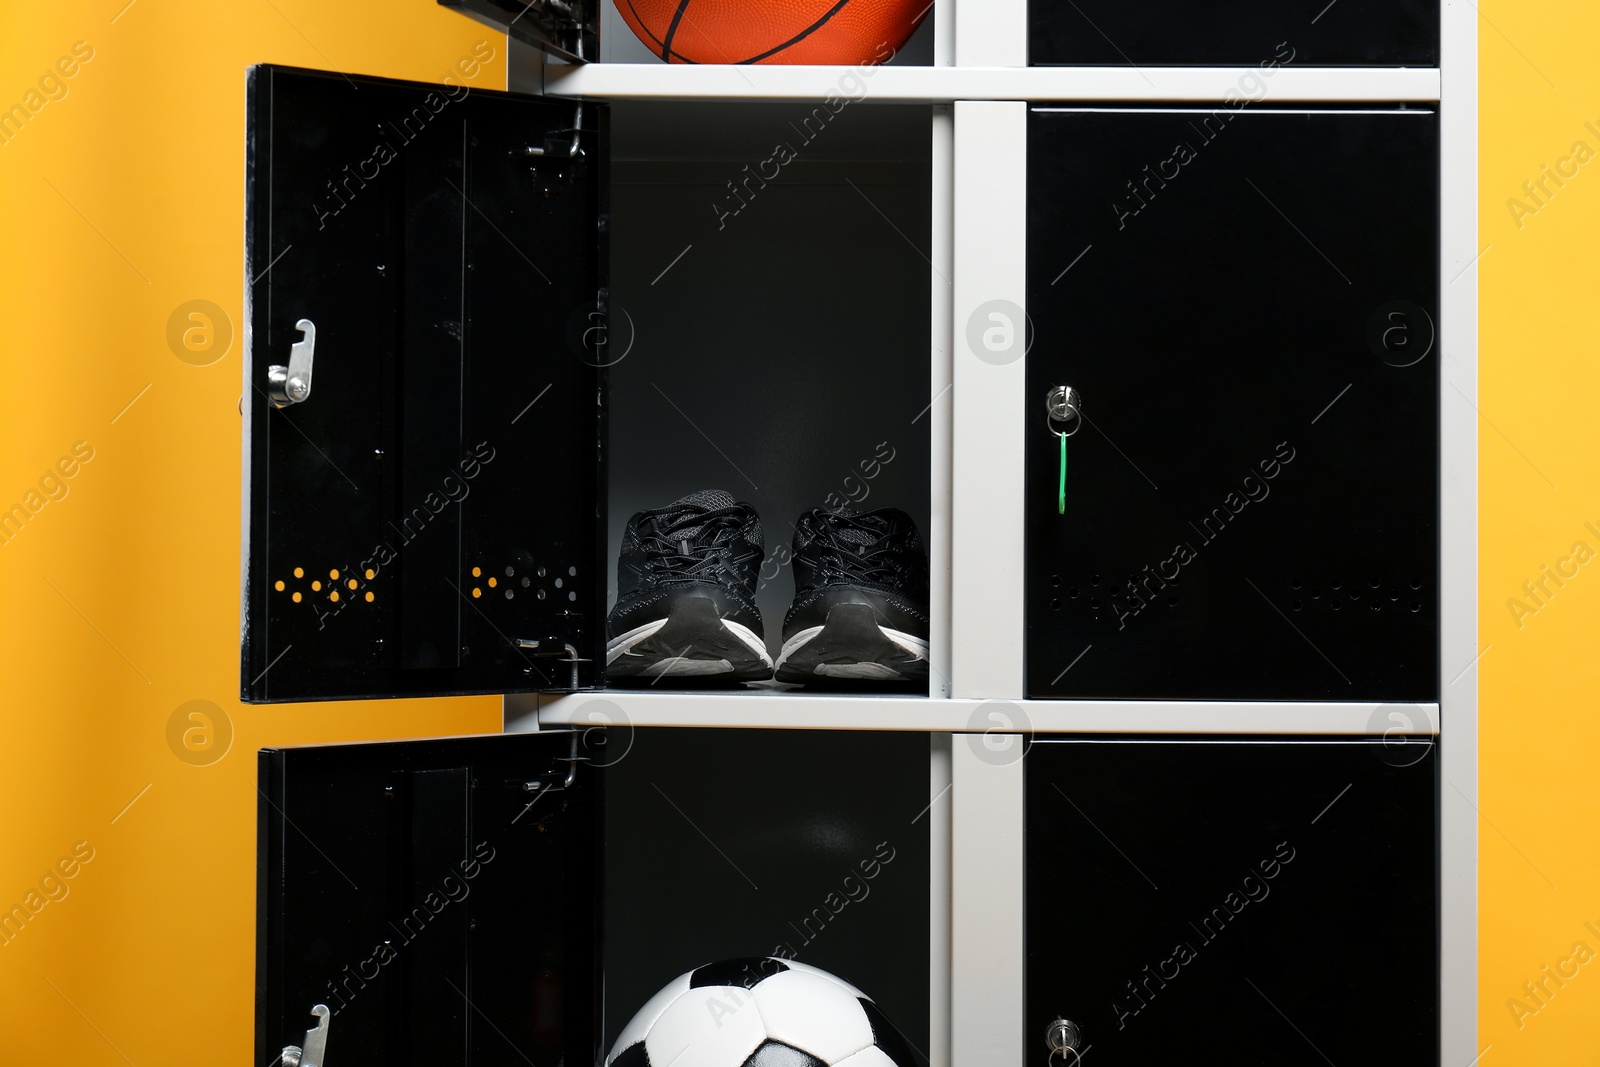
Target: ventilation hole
334, 596
572, 595
1316, 594
1094, 602
1355, 594
1394, 594
1172, 601
476, 592
316, 587
371, 574
351, 583
278, 585
1055, 604
1338, 583
542, 572
1295, 584
1335, 604
299, 573
1374, 582
477, 572
369, 596
1416, 583
1415, 606
540, 594
1296, 605
334, 574
295, 597
1055, 579
511, 572
558, 583
510, 594
572, 572
493, 582
1073, 592
526, 581
1095, 580
1375, 606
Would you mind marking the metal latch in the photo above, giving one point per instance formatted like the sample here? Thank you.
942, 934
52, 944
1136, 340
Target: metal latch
292, 384
315, 1051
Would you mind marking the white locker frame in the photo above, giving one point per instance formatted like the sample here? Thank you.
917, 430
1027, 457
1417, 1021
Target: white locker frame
979, 86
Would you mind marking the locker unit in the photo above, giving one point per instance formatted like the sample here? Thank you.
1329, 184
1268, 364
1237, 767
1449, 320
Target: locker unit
486, 327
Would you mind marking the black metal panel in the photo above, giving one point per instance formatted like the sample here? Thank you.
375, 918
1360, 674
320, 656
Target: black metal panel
1246, 33
566, 28
412, 888
1246, 902
1246, 301
447, 460
807, 844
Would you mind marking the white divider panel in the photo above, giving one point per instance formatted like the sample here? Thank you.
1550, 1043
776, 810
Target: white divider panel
939, 870
940, 386
991, 33
991, 333
1458, 545
986, 897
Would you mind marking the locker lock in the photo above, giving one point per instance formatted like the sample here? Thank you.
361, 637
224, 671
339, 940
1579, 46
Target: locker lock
292, 384
1063, 405
1062, 1037
315, 1051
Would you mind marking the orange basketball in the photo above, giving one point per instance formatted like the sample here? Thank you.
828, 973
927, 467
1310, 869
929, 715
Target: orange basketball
773, 31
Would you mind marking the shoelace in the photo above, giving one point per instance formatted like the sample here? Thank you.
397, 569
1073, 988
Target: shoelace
673, 558
870, 563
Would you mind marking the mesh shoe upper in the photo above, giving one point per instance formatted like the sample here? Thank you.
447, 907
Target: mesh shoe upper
706, 544
873, 557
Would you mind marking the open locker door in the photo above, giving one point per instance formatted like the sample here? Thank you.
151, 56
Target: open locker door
439, 898
564, 28
423, 429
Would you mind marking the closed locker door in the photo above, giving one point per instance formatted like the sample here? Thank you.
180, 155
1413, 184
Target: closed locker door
1245, 302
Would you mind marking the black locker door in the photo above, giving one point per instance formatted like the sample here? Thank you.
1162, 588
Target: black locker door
1245, 33
1261, 902
423, 504
440, 898
566, 28
1246, 302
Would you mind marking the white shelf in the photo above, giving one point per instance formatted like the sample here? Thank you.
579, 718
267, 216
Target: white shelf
927, 85
800, 711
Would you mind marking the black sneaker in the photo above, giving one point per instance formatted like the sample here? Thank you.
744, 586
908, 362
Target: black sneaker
686, 593
860, 607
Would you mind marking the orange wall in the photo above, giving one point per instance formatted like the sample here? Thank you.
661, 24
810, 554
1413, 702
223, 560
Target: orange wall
119, 202
122, 200
1539, 456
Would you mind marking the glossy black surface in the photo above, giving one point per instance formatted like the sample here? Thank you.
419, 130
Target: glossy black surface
566, 29
1241, 902
1234, 33
411, 888
452, 437
1246, 301
723, 844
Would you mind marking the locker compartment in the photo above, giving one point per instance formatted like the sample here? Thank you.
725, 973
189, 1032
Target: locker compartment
494, 281
515, 899
1245, 33
1248, 900
1245, 301
596, 30
778, 328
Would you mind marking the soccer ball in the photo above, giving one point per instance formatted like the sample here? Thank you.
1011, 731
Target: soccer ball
759, 1013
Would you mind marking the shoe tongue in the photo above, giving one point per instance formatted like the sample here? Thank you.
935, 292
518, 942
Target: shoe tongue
682, 518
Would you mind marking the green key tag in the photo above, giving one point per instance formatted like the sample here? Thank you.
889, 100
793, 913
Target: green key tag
1061, 489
